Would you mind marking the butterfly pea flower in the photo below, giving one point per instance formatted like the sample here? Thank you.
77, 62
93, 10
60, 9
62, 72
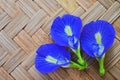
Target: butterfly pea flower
96, 38
50, 57
65, 31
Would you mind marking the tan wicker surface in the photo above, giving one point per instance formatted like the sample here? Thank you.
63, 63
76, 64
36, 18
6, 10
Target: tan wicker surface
25, 24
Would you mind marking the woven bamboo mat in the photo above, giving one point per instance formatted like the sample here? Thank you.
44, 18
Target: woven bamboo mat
25, 24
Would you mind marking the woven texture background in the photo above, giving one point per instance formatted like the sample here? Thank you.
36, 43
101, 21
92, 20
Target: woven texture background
25, 25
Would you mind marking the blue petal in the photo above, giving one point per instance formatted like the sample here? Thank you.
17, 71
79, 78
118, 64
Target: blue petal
74, 22
89, 42
57, 32
43, 66
63, 28
51, 56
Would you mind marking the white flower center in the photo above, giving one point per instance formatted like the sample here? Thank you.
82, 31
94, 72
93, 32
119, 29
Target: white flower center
51, 59
68, 30
98, 37
100, 46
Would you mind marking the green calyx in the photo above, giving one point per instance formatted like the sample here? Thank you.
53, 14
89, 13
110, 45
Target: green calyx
80, 60
82, 64
75, 65
101, 65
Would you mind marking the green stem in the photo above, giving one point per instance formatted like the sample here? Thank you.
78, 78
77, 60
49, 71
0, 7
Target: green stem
75, 65
80, 60
101, 65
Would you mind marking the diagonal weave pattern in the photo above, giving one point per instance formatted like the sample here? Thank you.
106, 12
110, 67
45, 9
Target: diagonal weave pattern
25, 24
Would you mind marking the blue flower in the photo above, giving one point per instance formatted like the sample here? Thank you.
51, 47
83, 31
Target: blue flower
65, 30
97, 37
50, 57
